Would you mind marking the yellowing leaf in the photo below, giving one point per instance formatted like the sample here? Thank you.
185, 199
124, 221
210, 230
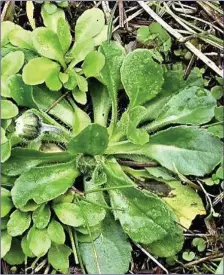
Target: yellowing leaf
29, 12
185, 202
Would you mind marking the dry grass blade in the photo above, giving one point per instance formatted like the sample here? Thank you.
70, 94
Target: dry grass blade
178, 36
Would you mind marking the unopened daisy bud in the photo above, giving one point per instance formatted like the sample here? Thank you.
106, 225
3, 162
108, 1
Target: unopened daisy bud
30, 126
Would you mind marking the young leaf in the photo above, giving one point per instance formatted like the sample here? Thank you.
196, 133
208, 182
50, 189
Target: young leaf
81, 120
5, 151
93, 140
58, 257
8, 109
47, 44
39, 242
6, 28
15, 255
43, 184
101, 37
82, 83
56, 232
79, 96
23, 159
6, 240
111, 244
141, 76
32, 76
64, 35
89, 24
12, 63
182, 148
79, 51
192, 105
155, 221
21, 38
51, 18
53, 81
41, 216
93, 64
21, 92
71, 83
188, 256
185, 203
5, 91
18, 223
69, 213
30, 14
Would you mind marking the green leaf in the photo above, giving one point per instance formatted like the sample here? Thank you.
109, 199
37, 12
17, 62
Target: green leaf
5, 91
6, 240
15, 255
5, 151
219, 173
185, 202
110, 73
56, 232
110, 253
101, 37
136, 136
72, 81
4, 222
220, 268
18, 223
219, 113
173, 83
199, 243
39, 242
141, 76
53, 81
41, 216
89, 24
6, 206
188, 256
82, 83
182, 148
30, 14
21, 92
43, 184
64, 35
33, 76
93, 64
69, 213
143, 216
79, 96
216, 130
79, 51
192, 105
6, 28
160, 173
47, 44
93, 140
3, 136
217, 92
8, 109
81, 120
51, 18
101, 103
58, 257
12, 63
155, 36
23, 160
25, 247
21, 38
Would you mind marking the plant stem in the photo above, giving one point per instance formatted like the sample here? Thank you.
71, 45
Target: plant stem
70, 233
78, 253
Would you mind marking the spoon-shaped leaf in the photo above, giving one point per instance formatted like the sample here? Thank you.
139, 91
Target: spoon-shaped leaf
12, 63
8, 109
18, 223
89, 24
21, 38
47, 44
43, 184
141, 76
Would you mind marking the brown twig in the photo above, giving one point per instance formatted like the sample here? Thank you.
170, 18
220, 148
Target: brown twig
56, 102
121, 13
137, 164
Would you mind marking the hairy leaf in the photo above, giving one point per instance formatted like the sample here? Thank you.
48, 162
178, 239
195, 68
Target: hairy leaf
51, 19
141, 76
109, 253
43, 184
21, 38
6, 241
93, 64
64, 35
6, 28
192, 105
47, 44
92, 140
